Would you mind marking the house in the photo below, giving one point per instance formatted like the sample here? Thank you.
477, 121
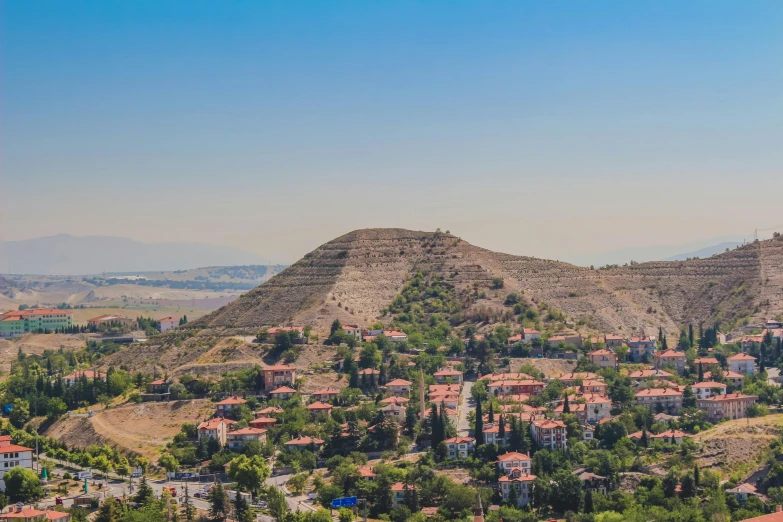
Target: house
641, 348
777, 516
525, 336
283, 392
734, 378
613, 341
588, 433
640, 375
19, 513
665, 418
429, 511
269, 411
278, 375
529, 387
394, 411
325, 394
594, 387
670, 435
262, 422
514, 460
728, 406
523, 483
158, 386
302, 443
295, 332
17, 323
705, 390
319, 410
392, 335
167, 323
597, 408
748, 343
435, 388
459, 447
555, 340
670, 359
223, 408
73, 378
353, 330
706, 363
395, 400
549, 434
492, 377
575, 378
491, 434
668, 400
447, 375
236, 440
110, 320
448, 399
215, 428
592, 482
398, 493
399, 387
13, 456
366, 473
603, 358
742, 363
743, 491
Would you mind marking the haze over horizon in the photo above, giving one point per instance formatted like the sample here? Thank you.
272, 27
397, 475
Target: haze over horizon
557, 131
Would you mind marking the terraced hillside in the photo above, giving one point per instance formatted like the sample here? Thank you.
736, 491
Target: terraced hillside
355, 276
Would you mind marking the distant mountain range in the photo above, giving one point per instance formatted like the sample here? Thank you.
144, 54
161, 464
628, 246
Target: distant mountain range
80, 255
705, 252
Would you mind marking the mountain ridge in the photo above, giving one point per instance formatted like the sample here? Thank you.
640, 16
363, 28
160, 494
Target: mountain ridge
355, 276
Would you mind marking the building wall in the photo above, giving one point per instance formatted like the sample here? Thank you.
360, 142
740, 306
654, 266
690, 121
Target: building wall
10, 460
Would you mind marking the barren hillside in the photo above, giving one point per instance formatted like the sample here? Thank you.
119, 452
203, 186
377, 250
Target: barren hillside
355, 276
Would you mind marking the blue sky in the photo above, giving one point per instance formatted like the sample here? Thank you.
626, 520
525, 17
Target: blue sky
550, 129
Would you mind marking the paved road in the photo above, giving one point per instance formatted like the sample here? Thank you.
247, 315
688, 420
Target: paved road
466, 404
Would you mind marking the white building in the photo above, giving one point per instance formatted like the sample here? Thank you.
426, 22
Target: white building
13, 456
742, 363
514, 460
459, 447
167, 323
236, 440
704, 390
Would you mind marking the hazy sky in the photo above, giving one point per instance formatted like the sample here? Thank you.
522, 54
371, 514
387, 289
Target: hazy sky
554, 129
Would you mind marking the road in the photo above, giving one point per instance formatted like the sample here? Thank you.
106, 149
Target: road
466, 403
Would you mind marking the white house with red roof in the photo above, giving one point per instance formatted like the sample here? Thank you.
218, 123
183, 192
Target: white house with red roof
525, 336
353, 330
549, 434
668, 400
13, 456
705, 390
223, 408
510, 461
603, 358
325, 394
399, 387
394, 336
459, 447
447, 375
237, 439
319, 410
262, 422
215, 428
283, 393
398, 493
670, 358
19, 513
302, 443
522, 482
278, 375
742, 363
167, 323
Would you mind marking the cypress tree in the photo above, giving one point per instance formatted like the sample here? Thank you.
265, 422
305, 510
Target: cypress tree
502, 428
479, 429
696, 475
690, 334
701, 372
434, 420
491, 413
442, 423
566, 407
187, 507
589, 501
644, 440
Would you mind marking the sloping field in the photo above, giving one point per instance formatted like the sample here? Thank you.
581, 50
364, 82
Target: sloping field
139, 428
738, 445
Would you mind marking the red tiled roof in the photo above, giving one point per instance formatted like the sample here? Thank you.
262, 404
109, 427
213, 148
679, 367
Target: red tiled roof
709, 384
399, 486
304, 441
459, 440
232, 401
369, 371
399, 382
248, 431
513, 455
657, 392
283, 389
670, 354
319, 406
446, 372
366, 471
212, 424
741, 357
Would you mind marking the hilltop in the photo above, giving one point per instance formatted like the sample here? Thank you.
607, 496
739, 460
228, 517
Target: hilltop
356, 276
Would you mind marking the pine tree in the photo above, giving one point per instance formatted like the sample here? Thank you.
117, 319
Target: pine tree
219, 504
188, 510
644, 441
241, 508
502, 428
479, 428
566, 407
701, 373
144, 495
491, 413
513, 496
660, 334
589, 501
442, 423
690, 334
353, 381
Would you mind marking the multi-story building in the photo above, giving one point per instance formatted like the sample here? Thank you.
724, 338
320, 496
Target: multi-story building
283, 393
491, 434
734, 378
448, 399
459, 447
641, 375
706, 363
593, 387
13, 456
525, 336
742, 363
668, 400
319, 410
670, 359
523, 483
613, 341
303, 443
398, 493
705, 390
603, 358
215, 428
729, 406
353, 330
14, 324
549, 434
514, 460
576, 378
642, 348
278, 375
236, 440
19, 513
325, 394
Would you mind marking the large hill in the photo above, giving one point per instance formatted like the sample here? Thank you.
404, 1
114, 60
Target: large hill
355, 276
77, 255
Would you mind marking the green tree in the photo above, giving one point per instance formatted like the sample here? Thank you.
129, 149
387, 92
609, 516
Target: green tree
168, 462
588, 501
249, 472
687, 486
242, 511
144, 495
22, 485
297, 483
479, 427
110, 511
277, 504
188, 509
219, 504
20, 413
345, 515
